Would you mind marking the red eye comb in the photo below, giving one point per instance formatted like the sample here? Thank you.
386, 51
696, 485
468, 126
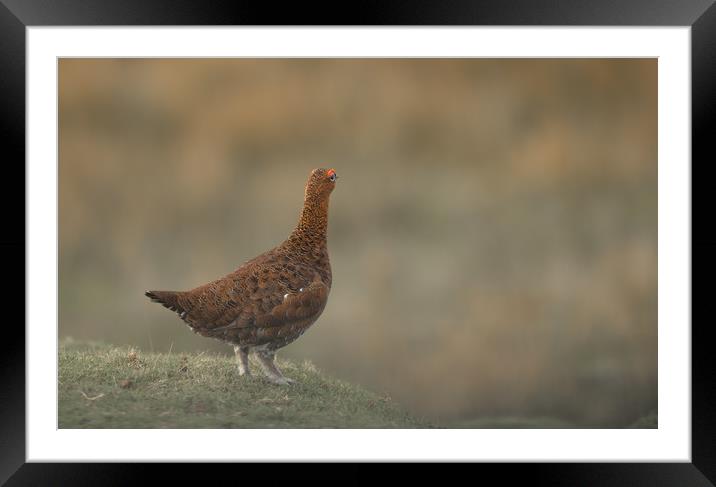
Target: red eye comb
330, 173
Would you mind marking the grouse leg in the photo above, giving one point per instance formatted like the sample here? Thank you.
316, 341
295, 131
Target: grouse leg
274, 375
242, 357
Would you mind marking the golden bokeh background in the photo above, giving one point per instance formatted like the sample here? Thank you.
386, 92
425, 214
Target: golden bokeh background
493, 234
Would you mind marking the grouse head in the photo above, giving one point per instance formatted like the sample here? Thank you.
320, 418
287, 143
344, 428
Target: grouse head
320, 183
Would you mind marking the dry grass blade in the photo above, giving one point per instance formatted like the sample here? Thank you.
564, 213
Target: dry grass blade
92, 398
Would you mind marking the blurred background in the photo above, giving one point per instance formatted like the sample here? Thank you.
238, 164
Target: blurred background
492, 235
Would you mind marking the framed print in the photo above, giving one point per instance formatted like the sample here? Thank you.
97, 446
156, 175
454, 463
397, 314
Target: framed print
509, 275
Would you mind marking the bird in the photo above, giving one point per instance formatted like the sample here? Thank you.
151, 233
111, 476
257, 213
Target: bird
272, 299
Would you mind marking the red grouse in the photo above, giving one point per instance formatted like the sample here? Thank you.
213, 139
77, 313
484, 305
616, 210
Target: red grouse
272, 299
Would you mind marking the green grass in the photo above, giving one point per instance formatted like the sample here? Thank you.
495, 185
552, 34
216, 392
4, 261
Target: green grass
102, 386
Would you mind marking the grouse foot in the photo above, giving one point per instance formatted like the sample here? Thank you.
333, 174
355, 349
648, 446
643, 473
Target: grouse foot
242, 358
272, 372
281, 381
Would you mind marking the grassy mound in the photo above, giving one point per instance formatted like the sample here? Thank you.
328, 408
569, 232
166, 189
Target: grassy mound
102, 386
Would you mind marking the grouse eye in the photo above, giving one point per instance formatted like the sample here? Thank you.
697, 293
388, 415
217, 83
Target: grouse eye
332, 177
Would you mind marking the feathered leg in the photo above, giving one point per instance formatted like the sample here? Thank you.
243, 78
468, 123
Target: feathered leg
242, 358
266, 359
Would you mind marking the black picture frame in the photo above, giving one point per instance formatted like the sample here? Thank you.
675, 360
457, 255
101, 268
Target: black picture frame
17, 15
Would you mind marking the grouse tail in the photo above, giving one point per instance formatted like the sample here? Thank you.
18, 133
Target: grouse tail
168, 299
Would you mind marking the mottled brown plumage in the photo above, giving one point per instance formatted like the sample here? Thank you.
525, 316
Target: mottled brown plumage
271, 299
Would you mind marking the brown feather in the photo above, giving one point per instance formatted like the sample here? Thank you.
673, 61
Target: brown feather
273, 298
